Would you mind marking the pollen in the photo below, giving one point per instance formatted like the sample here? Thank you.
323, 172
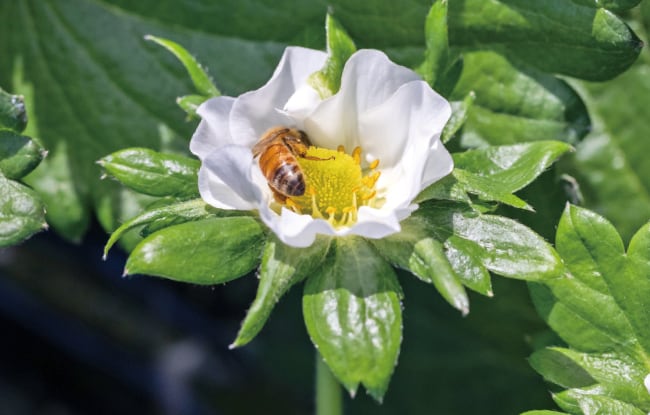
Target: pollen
337, 185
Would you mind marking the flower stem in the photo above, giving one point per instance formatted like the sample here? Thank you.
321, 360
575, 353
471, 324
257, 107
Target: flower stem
329, 400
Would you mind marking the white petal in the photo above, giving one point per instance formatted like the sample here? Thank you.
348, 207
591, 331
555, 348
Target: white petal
369, 78
255, 112
646, 382
213, 130
293, 229
411, 117
438, 166
229, 177
375, 224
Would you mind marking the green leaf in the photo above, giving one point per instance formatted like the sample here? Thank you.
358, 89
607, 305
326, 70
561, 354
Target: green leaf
160, 217
340, 47
352, 311
153, 173
494, 173
468, 268
19, 154
516, 103
515, 166
21, 212
209, 251
587, 403
459, 113
560, 369
601, 312
415, 250
98, 87
543, 413
202, 82
556, 36
436, 55
615, 5
282, 267
609, 164
13, 114
502, 245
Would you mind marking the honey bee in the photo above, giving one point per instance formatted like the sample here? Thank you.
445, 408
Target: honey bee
279, 149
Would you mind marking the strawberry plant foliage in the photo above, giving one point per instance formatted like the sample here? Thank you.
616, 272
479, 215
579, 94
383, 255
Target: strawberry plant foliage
601, 311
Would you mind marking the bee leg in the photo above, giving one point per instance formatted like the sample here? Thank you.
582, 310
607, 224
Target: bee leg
318, 158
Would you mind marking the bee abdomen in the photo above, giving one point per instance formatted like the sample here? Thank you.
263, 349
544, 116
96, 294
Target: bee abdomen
288, 180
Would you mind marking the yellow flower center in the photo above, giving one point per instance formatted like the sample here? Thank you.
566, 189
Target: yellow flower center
336, 185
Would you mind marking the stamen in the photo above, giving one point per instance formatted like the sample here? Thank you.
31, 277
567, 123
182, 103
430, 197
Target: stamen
356, 155
336, 185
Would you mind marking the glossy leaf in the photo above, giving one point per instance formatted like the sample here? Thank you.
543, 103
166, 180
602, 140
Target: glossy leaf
340, 47
202, 82
21, 212
19, 154
167, 215
13, 114
494, 173
210, 251
502, 245
601, 312
352, 311
153, 173
577, 41
282, 267
459, 113
503, 114
413, 249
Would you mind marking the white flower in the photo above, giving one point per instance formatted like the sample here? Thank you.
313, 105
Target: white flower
382, 108
646, 382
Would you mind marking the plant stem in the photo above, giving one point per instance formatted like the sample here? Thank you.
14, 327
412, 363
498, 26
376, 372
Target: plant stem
329, 400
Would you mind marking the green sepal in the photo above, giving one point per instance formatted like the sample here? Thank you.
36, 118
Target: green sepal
436, 54
469, 269
494, 173
282, 267
202, 81
13, 114
209, 251
459, 113
352, 311
415, 250
500, 244
22, 212
340, 47
166, 215
19, 154
190, 103
152, 173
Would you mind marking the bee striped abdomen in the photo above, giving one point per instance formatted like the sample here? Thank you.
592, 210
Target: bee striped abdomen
281, 170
